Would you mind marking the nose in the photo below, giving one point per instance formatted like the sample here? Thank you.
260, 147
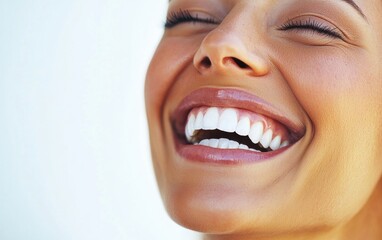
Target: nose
222, 51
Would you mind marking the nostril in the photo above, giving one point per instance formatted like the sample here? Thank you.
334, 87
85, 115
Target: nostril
206, 62
240, 63
237, 62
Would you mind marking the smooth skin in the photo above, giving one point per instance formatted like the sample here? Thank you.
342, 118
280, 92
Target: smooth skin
328, 185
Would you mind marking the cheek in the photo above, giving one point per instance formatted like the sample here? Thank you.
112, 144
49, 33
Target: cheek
334, 87
170, 58
341, 93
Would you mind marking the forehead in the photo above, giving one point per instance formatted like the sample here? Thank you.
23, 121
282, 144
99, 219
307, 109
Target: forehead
354, 5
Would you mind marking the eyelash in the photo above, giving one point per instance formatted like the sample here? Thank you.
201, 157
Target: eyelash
311, 25
182, 16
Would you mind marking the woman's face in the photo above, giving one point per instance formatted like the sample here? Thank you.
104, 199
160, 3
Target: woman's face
266, 116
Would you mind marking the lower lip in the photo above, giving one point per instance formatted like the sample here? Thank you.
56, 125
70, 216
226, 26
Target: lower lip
209, 155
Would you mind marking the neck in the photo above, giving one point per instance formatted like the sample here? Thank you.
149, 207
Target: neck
366, 224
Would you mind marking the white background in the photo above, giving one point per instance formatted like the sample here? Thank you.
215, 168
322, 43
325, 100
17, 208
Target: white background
74, 155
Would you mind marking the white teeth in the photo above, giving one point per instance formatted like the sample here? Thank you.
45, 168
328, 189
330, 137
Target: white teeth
267, 138
190, 127
188, 136
254, 150
205, 142
223, 143
256, 132
228, 120
243, 146
275, 144
243, 126
214, 143
284, 144
233, 144
211, 119
199, 121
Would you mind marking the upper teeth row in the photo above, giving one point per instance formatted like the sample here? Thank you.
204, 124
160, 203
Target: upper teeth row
227, 120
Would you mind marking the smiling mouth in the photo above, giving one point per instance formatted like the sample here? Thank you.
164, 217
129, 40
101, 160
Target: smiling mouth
231, 126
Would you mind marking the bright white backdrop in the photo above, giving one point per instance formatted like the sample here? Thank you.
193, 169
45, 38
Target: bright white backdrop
74, 155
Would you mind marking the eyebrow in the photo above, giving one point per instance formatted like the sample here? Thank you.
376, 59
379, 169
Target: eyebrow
351, 3
356, 7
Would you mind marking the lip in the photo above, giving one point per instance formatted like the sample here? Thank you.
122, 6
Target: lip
227, 97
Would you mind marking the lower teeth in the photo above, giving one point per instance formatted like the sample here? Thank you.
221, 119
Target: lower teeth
224, 143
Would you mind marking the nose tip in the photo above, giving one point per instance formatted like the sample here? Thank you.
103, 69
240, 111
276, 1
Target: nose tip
220, 51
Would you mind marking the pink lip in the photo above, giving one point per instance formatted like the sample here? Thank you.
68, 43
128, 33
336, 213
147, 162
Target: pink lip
224, 97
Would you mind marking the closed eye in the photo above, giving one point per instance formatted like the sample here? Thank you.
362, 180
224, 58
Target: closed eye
184, 16
311, 26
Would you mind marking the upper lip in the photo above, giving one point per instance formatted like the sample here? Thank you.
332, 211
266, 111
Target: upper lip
228, 97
